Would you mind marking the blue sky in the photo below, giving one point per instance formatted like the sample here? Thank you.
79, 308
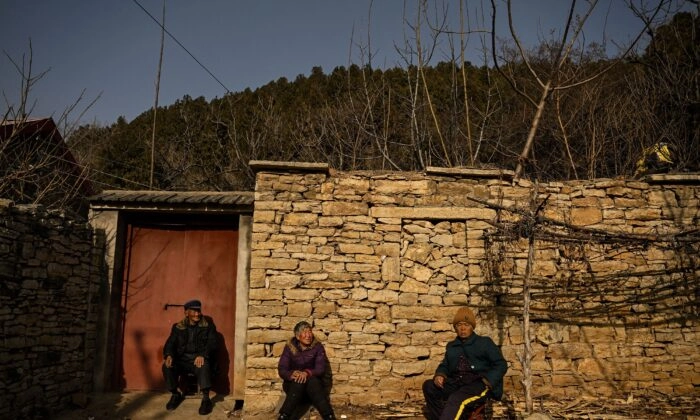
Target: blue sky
110, 48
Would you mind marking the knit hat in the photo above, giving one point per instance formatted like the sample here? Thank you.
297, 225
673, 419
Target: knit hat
465, 314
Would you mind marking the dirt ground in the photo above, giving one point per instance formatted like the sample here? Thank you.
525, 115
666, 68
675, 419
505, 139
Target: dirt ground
144, 405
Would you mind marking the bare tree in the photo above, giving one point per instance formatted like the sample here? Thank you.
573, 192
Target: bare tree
36, 165
551, 78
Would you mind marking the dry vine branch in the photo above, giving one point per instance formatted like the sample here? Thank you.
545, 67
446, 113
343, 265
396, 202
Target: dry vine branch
587, 233
578, 292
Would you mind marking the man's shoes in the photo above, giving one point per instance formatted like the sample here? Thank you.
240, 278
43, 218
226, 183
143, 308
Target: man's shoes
175, 400
206, 406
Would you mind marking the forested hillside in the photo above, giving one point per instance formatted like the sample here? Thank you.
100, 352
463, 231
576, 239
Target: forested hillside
589, 117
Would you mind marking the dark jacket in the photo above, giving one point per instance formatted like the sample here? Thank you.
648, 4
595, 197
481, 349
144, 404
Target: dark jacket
311, 360
484, 356
205, 341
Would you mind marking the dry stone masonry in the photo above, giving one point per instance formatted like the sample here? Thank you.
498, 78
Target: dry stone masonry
380, 261
49, 283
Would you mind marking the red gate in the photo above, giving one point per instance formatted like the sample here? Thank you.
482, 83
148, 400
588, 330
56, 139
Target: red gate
167, 266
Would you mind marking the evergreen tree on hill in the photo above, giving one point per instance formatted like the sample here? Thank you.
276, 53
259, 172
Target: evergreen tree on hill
359, 118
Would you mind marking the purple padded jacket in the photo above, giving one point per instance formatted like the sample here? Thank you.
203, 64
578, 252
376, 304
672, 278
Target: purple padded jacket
312, 360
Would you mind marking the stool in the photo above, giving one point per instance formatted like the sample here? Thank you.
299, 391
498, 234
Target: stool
189, 386
482, 412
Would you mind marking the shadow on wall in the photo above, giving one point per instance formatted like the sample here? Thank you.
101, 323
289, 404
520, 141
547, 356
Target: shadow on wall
612, 290
612, 283
222, 383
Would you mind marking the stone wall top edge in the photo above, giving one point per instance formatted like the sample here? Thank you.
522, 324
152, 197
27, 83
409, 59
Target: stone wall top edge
476, 174
665, 179
504, 174
38, 215
614, 186
282, 166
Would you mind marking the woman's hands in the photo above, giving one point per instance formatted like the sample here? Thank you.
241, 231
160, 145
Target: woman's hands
300, 376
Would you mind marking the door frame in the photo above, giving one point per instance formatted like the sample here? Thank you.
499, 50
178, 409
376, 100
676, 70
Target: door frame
112, 218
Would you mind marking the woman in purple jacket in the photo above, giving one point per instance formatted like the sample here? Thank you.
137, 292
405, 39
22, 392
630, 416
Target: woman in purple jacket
302, 367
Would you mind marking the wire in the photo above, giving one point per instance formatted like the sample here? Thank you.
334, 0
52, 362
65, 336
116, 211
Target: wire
181, 46
93, 170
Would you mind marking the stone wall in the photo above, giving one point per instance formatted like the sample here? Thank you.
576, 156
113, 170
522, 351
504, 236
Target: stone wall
379, 262
50, 275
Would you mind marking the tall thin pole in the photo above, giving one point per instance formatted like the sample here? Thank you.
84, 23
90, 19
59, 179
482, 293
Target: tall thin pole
155, 105
462, 47
527, 354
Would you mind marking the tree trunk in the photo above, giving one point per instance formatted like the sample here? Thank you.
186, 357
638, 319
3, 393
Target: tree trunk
533, 129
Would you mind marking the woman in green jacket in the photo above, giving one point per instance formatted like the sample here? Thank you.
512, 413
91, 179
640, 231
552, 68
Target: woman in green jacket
471, 372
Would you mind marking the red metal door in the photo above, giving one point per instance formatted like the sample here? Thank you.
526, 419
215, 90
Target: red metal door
168, 266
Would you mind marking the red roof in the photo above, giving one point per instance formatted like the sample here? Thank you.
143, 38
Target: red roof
46, 128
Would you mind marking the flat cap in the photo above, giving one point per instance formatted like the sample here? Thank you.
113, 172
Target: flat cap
193, 304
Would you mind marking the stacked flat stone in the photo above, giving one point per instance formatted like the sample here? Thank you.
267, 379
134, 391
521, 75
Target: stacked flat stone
380, 262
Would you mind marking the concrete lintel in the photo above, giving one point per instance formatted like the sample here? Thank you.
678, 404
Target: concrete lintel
504, 174
278, 166
434, 213
689, 178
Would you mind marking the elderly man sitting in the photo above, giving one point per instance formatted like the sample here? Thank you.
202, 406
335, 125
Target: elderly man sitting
190, 348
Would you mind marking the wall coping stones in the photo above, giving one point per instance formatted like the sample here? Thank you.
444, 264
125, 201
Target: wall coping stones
689, 178
262, 165
504, 174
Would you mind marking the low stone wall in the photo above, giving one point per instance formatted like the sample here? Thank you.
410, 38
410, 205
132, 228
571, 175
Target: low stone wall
380, 262
50, 275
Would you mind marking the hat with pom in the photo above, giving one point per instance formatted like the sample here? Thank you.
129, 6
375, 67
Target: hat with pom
465, 314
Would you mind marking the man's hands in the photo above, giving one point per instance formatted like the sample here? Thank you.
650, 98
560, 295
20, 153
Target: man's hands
299, 376
198, 361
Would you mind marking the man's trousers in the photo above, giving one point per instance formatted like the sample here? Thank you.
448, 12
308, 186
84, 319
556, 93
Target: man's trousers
183, 366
